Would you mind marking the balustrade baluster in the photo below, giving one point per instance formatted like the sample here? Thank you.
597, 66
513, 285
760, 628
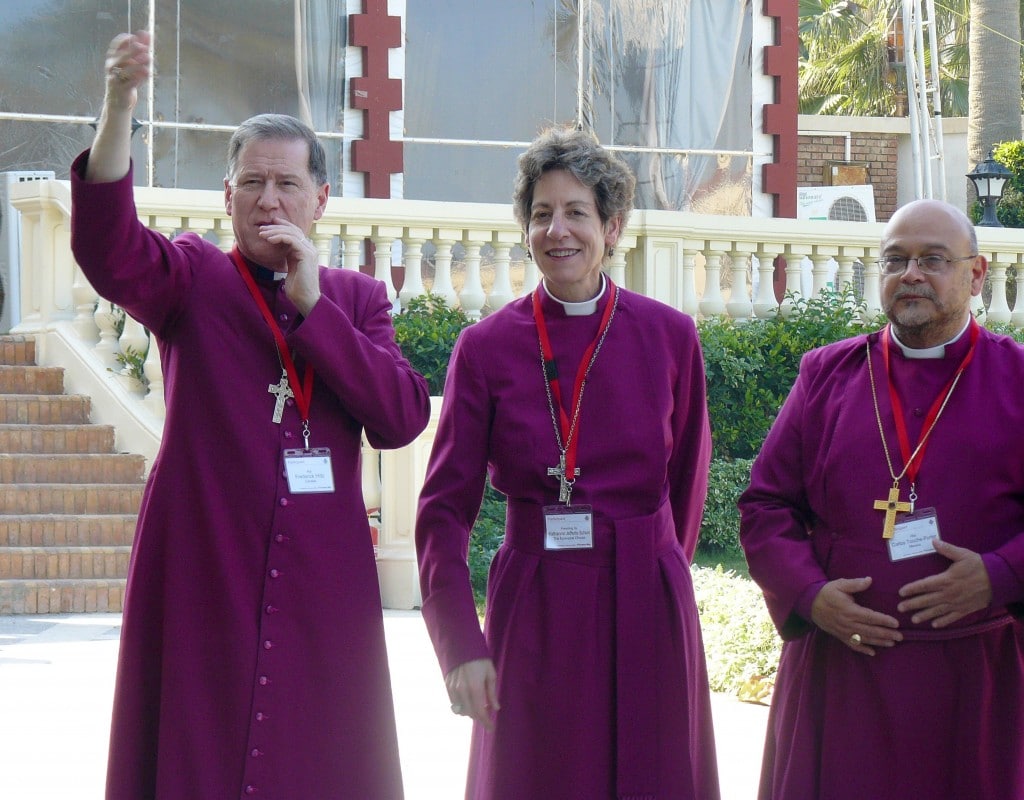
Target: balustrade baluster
382, 243
152, 368
1017, 317
739, 305
443, 269
84, 297
689, 303
501, 290
712, 303
472, 297
766, 305
106, 322
998, 308
821, 260
412, 255
794, 276
872, 284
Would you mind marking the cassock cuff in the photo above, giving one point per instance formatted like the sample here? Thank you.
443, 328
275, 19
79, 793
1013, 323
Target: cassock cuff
1006, 586
805, 601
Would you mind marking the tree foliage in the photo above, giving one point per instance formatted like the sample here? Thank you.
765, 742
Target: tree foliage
850, 61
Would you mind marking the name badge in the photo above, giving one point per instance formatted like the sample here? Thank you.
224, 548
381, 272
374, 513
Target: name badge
309, 470
568, 528
913, 535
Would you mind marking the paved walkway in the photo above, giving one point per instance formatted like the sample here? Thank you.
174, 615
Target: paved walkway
57, 679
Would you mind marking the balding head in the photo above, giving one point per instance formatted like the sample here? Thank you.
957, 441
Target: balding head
929, 306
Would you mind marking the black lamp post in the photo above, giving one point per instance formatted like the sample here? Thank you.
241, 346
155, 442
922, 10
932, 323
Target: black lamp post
989, 177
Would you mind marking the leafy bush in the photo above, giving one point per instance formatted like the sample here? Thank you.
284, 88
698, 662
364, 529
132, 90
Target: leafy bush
740, 643
751, 364
426, 331
487, 536
720, 527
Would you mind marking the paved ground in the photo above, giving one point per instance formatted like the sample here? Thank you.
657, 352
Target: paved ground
57, 679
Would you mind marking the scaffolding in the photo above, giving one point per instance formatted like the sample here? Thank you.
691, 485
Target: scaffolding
918, 31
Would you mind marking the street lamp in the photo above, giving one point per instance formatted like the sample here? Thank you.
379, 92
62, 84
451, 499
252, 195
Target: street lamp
989, 177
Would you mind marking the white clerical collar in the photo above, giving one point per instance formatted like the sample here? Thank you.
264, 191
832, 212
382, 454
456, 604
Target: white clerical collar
580, 309
939, 351
268, 275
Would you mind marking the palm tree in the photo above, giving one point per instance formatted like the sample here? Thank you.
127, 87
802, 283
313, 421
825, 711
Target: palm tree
995, 64
849, 59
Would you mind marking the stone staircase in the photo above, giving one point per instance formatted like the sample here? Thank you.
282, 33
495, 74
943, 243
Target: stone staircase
68, 502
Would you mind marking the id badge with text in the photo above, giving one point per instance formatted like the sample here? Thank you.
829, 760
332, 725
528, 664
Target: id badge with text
309, 470
568, 527
913, 535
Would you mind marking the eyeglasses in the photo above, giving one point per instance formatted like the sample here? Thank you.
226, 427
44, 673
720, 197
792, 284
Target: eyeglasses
928, 265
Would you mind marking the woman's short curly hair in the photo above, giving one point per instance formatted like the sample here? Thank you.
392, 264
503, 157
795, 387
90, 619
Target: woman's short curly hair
579, 153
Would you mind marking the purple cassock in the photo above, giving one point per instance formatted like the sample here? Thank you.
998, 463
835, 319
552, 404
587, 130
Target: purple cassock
252, 657
941, 714
601, 673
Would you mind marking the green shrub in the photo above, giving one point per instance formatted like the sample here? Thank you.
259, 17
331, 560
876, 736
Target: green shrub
751, 364
741, 645
426, 331
720, 526
487, 536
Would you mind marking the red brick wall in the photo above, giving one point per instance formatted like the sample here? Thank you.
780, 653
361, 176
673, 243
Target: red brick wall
877, 150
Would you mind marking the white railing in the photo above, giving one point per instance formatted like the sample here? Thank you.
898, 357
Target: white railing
469, 253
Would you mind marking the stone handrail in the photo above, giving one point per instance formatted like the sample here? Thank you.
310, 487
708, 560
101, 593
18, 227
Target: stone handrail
469, 253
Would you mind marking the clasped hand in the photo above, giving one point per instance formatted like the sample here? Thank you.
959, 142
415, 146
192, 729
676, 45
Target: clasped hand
942, 599
473, 691
301, 260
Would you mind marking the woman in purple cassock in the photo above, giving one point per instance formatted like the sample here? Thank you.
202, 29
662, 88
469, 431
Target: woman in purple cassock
585, 404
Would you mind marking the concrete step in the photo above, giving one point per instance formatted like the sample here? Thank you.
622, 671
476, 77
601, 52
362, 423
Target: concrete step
30, 379
27, 563
67, 498
16, 349
52, 438
76, 530
61, 596
71, 468
35, 409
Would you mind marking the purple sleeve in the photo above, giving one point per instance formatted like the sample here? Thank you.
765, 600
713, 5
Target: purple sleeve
691, 445
448, 507
358, 358
126, 263
775, 516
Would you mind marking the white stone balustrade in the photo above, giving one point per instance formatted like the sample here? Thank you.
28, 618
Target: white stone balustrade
470, 254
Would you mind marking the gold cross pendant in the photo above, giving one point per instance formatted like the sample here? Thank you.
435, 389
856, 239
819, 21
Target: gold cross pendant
891, 507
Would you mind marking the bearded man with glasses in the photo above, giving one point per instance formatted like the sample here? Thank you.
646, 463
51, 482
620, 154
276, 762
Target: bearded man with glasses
885, 523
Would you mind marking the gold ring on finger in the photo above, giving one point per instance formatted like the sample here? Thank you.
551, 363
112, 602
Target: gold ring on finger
855, 638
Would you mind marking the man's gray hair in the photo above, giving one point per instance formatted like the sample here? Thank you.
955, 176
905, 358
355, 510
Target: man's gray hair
579, 153
278, 126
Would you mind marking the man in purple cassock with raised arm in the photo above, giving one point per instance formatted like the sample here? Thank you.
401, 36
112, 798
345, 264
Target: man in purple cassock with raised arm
252, 657
885, 523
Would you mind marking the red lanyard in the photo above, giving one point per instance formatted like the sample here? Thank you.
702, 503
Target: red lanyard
569, 441
303, 392
913, 458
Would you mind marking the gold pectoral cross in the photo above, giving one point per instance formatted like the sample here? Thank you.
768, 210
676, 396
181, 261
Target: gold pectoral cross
891, 507
564, 485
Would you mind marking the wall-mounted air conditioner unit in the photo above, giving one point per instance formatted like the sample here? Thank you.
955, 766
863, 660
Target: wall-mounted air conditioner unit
837, 203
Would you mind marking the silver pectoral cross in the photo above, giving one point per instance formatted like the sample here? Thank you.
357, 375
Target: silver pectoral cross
282, 391
564, 485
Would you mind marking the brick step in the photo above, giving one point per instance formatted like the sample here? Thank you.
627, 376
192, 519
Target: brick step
48, 530
56, 438
71, 468
67, 498
34, 409
28, 379
15, 349
46, 563
61, 596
